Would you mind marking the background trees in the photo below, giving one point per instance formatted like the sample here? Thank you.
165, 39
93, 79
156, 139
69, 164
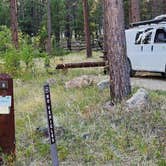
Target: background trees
67, 21
31, 13
4, 13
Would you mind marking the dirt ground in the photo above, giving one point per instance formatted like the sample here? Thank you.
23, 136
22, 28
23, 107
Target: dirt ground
149, 81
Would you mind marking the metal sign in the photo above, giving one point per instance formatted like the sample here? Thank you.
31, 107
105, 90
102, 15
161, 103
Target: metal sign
5, 101
50, 119
7, 122
5, 104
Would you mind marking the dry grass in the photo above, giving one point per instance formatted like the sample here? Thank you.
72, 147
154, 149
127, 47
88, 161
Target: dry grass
93, 136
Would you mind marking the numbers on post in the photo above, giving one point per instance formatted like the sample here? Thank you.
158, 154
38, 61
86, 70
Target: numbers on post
49, 114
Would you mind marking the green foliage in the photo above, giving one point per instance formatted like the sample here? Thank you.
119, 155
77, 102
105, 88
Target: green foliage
27, 55
30, 15
47, 61
42, 37
59, 52
5, 39
12, 62
57, 18
4, 13
62, 152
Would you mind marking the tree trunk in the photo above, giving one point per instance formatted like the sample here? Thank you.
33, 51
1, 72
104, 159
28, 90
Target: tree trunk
115, 31
156, 7
68, 33
14, 23
86, 29
105, 46
164, 6
134, 11
48, 48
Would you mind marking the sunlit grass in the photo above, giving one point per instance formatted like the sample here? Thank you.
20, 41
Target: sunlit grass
93, 136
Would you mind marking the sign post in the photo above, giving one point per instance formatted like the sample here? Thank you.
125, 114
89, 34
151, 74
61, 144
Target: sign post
7, 124
50, 119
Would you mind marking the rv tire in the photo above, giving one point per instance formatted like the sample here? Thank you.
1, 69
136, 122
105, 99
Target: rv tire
131, 71
163, 74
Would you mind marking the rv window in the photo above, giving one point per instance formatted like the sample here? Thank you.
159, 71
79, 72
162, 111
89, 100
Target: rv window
160, 36
146, 38
138, 37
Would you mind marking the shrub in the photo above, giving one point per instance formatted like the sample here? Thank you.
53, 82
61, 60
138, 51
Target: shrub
5, 39
26, 54
59, 52
12, 62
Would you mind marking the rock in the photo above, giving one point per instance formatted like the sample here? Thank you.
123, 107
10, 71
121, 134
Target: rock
51, 81
86, 135
82, 81
109, 106
103, 84
138, 100
59, 131
42, 131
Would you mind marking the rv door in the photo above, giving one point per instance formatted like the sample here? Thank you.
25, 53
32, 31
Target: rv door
146, 51
159, 50
133, 38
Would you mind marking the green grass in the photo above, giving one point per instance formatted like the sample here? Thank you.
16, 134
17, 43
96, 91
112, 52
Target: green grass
117, 137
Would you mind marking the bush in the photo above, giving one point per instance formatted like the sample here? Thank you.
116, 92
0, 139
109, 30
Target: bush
5, 39
12, 62
59, 52
26, 54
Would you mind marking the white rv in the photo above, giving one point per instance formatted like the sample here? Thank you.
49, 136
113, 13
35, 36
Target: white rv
146, 46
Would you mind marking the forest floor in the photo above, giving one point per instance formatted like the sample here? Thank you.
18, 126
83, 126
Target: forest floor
89, 135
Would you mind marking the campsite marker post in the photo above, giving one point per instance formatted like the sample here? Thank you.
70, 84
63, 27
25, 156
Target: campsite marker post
7, 122
50, 119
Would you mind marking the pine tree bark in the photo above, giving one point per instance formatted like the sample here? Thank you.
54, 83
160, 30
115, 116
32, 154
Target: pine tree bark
68, 33
86, 29
14, 23
48, 42
116, 46
134, 14
164, 6
156, 7
105, 46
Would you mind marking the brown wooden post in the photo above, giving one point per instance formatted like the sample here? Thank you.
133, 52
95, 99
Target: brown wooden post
7, 124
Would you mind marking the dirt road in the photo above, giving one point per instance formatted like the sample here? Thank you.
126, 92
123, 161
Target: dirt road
152, 82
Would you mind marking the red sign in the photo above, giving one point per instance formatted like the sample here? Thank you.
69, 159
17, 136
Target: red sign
7, 124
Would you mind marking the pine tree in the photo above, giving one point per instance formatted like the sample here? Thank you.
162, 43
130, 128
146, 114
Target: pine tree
134, 10
86, 28
14, 23
116, 47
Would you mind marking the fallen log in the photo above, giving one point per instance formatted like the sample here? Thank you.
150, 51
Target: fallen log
81, 65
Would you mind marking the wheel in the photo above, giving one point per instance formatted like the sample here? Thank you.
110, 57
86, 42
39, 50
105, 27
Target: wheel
163, 74
131, 71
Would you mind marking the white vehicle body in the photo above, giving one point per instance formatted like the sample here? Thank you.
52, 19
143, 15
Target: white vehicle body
146, 47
